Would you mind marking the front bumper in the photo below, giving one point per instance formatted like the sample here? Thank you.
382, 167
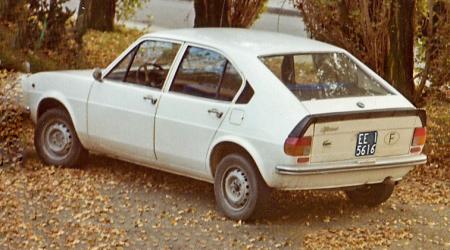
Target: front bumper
343, 174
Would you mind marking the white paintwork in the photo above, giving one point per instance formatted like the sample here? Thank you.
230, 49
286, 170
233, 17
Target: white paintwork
347, 135
126, 127
184, 126
178, 135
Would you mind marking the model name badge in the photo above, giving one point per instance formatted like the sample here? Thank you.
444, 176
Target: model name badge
329, 129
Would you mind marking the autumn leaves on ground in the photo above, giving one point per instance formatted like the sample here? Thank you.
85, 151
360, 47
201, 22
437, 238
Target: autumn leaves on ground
114, 204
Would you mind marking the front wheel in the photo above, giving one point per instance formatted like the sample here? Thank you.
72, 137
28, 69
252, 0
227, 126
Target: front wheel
56, 141
239, 188
371, 195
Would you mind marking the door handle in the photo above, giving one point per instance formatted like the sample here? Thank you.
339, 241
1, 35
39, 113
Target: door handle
217, 112
151, 99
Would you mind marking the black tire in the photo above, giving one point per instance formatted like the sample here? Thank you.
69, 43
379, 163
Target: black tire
370, 195
56, 141
238, 179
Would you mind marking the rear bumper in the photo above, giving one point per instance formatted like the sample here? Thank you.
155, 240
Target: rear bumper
343, 174
336, 167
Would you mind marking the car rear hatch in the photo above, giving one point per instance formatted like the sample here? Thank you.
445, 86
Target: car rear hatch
353, 114
353, 129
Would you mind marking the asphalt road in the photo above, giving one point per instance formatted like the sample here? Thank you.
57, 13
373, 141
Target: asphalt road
171, 14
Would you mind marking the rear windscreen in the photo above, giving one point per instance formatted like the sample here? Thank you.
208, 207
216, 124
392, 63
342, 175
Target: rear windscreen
323, 76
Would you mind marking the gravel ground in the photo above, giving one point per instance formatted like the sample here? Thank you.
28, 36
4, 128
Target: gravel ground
110, 204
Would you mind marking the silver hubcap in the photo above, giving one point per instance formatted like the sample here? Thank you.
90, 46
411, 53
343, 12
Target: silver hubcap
237, 188
57, 140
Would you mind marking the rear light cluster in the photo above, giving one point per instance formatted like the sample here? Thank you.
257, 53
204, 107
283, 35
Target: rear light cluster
299, 147
419, 137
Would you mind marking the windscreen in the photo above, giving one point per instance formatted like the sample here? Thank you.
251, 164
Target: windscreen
323, 76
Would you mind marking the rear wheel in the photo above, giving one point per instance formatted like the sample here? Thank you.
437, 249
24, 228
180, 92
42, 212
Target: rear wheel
239, 188
371, 195
56, 141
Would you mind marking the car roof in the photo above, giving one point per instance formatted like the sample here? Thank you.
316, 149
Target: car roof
245, 41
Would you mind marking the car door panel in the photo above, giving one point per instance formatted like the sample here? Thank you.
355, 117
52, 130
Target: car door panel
121, 119
191, 111
184, 129
122, 107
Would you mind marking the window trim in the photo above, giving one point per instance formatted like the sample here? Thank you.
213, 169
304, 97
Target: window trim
222, 76
135, 51
181, 55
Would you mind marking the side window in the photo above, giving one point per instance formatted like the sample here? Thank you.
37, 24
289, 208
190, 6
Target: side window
199, 73
231, 82
121, 69
246, 94
150, 64
207, 74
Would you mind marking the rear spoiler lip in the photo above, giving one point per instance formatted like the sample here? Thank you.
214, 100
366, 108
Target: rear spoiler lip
304, 124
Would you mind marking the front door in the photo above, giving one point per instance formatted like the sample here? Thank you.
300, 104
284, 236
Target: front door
190, 113
122, 108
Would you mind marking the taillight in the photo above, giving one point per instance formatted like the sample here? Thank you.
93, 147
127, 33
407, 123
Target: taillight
299, 147
419, 138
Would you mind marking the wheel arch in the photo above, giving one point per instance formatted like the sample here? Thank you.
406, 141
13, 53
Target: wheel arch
56, 100
223, 147
48, 103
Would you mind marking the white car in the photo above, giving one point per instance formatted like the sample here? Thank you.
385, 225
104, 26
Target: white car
245, 110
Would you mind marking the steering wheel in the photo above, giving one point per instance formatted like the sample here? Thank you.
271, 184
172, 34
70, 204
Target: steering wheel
147, 73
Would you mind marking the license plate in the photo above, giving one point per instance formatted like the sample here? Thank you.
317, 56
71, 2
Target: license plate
366, 143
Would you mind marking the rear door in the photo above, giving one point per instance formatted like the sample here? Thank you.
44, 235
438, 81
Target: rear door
195, 105
122, 108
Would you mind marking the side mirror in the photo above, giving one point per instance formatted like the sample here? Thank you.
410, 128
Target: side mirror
97, 74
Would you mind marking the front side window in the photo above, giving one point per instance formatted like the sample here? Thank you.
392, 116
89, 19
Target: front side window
323, 76
120, 71
208, 74
149, 65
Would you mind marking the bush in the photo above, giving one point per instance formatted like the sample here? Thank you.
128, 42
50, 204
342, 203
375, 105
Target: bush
41, 24
101, 48
61, 57
12, 140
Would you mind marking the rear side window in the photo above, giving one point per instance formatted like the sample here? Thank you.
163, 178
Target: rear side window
230, 84
246, 94
323, 76
208, 74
